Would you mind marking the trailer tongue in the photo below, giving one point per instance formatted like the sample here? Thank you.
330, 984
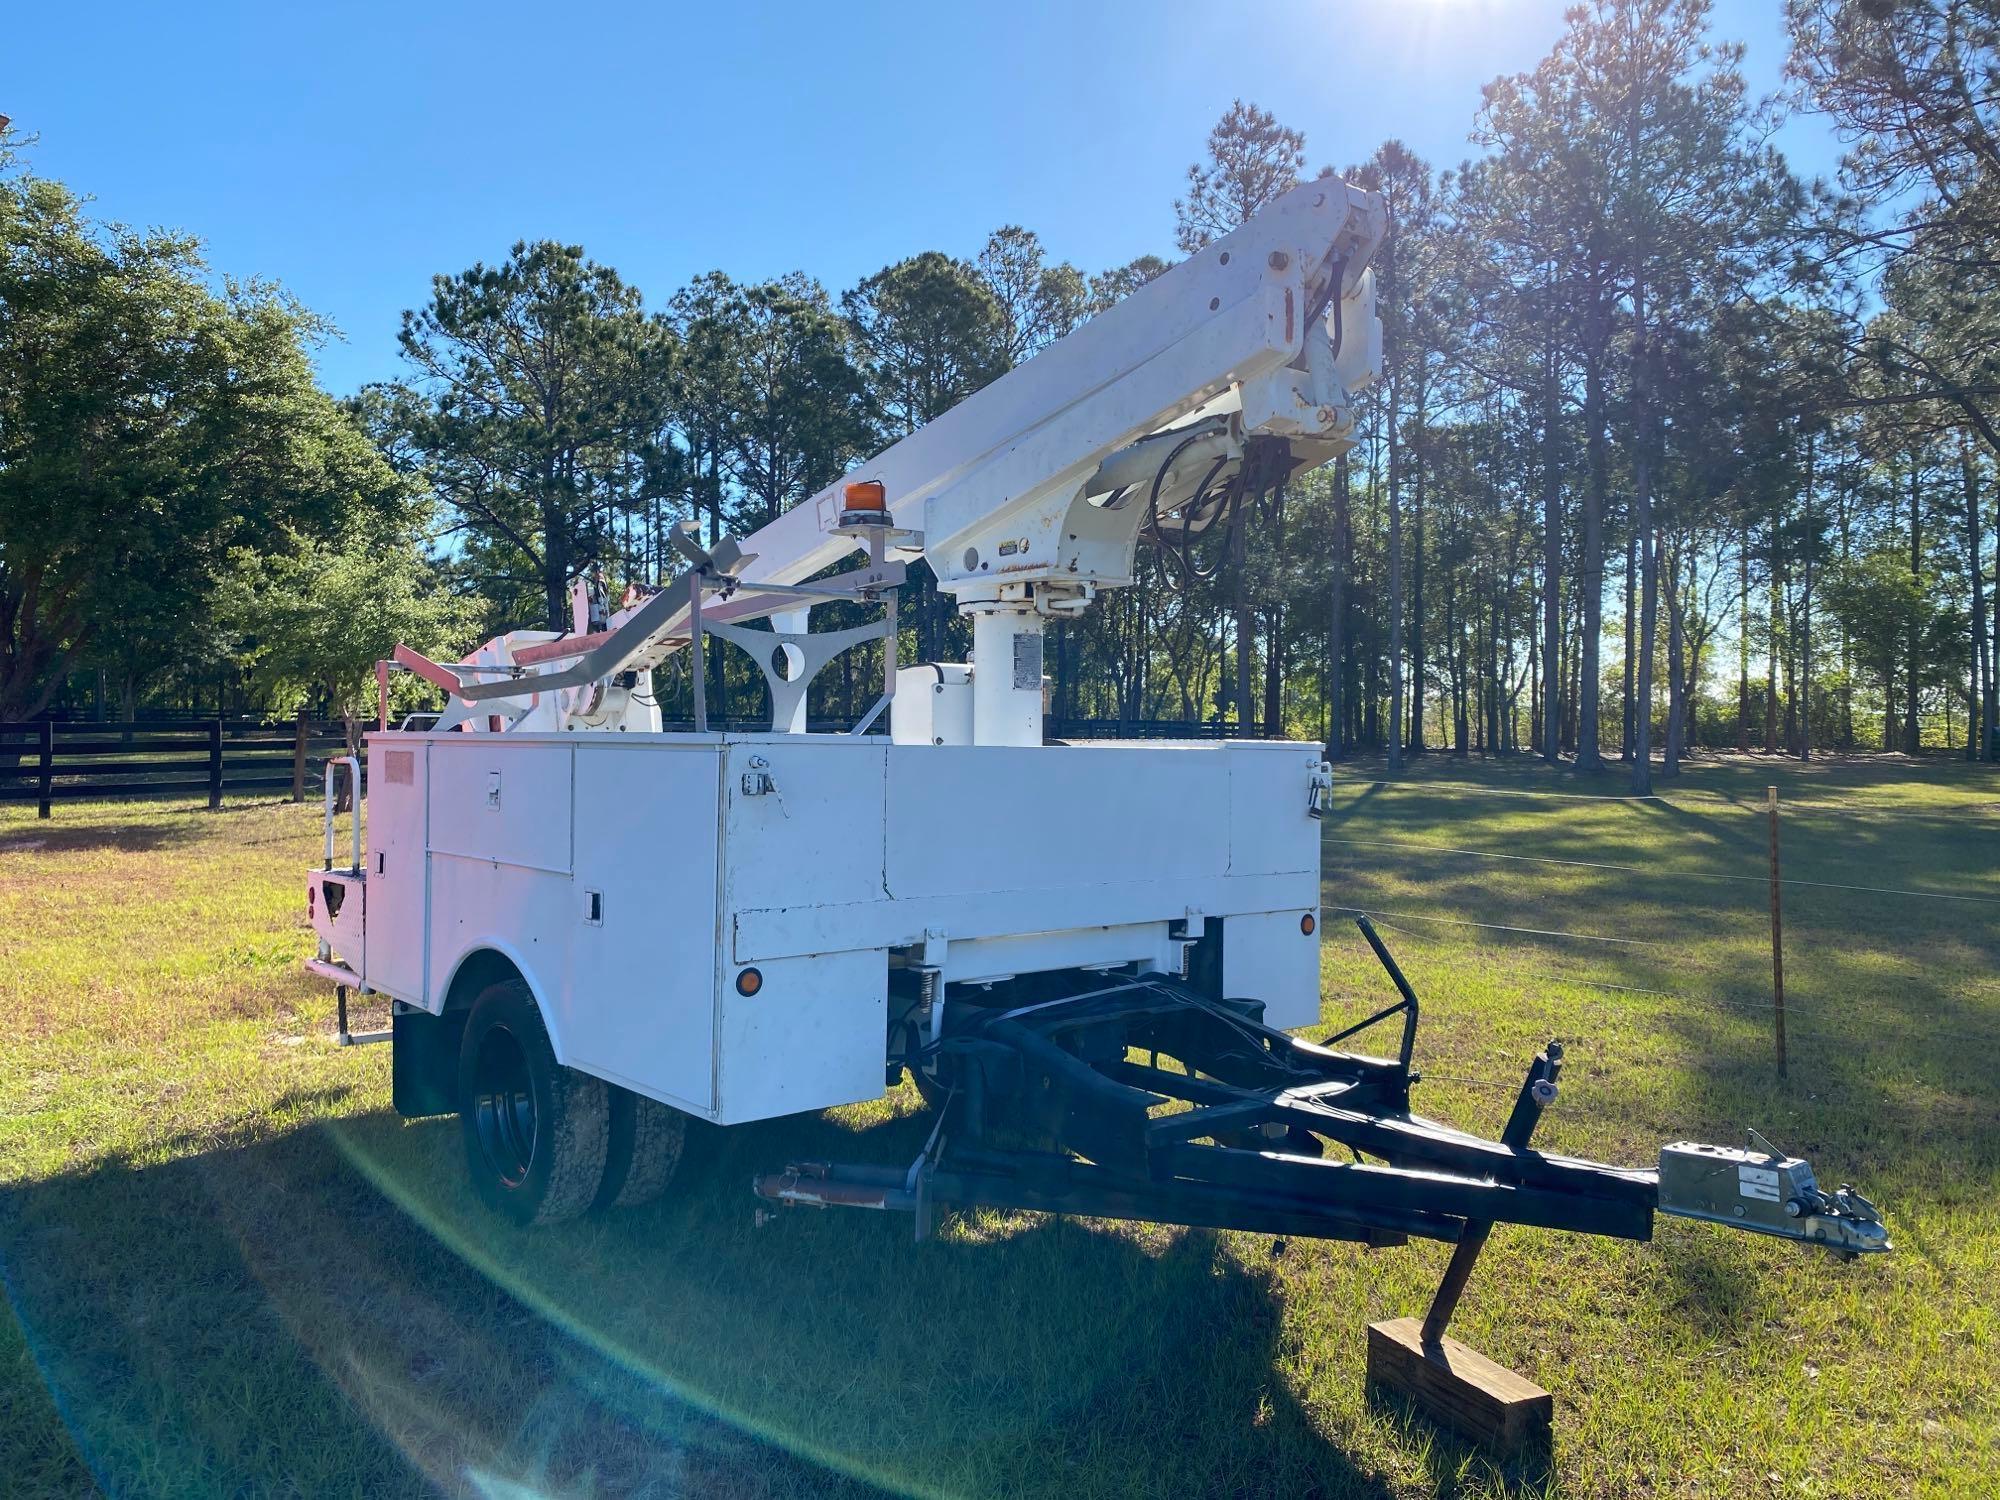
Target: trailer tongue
1142, 1097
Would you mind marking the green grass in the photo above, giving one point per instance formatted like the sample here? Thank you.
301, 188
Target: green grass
231, 1269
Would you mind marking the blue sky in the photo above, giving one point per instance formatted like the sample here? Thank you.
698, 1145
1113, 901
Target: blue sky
351, 151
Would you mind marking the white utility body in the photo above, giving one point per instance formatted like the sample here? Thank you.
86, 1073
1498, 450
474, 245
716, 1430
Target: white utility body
630, 876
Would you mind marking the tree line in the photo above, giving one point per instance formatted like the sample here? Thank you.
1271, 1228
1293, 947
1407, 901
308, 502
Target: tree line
1672, 449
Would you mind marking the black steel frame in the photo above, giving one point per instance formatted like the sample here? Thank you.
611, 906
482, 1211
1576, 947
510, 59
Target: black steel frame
1140, 1096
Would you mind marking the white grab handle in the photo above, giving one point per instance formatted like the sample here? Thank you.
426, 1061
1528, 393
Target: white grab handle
353, 764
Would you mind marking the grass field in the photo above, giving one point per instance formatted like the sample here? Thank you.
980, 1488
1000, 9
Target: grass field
231, 1269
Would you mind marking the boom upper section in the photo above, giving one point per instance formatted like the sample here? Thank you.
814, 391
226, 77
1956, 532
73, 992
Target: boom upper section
1244, 332
1226, 374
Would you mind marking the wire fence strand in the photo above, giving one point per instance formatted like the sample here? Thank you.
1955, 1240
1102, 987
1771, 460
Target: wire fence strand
1716, 875
1742, 1006
1581, 937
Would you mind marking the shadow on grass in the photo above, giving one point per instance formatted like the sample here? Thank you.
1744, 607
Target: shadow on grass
55, 837
1449, 1462
260, 1317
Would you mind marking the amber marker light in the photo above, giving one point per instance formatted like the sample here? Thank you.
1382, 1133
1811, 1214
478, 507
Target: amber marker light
1308, 924
749, 982
865, 494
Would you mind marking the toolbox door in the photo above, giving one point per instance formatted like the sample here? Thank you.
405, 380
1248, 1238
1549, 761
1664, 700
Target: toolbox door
392, 958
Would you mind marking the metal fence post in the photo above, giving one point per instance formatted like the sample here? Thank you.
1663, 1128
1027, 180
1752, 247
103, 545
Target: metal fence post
1777, 937
299, 759
214, 764
48, 765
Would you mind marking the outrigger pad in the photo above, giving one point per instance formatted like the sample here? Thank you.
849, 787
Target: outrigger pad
1461, 1388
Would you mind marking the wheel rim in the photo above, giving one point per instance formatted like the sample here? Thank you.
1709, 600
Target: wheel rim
503, 1107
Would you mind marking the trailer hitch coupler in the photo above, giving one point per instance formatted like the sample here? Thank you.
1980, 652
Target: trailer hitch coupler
1764, 1191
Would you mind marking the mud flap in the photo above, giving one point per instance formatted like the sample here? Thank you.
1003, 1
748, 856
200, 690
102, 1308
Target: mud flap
424, 1065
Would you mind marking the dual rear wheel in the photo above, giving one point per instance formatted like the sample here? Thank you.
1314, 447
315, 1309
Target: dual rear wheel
544, 1143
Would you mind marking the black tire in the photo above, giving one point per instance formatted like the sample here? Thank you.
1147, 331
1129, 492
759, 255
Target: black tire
646, 1141
535, 1132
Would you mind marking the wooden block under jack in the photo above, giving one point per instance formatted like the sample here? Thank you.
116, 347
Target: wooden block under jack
1461, 1388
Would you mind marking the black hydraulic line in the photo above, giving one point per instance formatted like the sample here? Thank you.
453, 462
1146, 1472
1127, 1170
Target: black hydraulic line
1331, 296
1151, 522
1197, 514
1198, 517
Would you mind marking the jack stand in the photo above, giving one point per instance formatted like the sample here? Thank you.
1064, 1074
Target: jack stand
342, 1037
1456, 1386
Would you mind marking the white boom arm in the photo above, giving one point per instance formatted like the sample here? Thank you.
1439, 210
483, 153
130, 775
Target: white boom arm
1030, 495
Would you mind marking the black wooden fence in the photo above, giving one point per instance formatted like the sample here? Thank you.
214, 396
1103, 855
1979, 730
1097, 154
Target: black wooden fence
50, 761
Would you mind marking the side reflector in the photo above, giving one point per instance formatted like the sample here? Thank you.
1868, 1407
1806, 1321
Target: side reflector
749, 982
1308, 924
865, 494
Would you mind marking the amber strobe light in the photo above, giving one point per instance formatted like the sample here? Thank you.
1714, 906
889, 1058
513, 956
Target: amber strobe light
1308, 923
865, 494
749, 982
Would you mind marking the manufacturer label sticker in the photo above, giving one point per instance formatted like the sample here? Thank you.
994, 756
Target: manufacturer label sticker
1757, 1182
1027, 662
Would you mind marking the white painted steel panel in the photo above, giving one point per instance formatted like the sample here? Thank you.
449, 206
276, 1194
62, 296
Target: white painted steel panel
1266, 957
500, 798
522, 913
814, 1036
813, 839
976, 818
889, 924
639, 1007
398, 887
339, 904
933, 705
1270, 830
1146, 944
1022, 859
991, 915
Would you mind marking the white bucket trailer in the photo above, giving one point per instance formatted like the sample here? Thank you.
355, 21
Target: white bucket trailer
739, 926
593, 931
